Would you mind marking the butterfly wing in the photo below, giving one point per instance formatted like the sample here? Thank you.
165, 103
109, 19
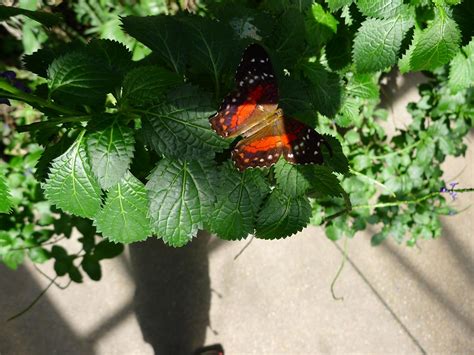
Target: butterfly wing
292, 139
255, 98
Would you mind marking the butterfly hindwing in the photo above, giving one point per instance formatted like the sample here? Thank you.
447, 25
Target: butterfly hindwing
292, 139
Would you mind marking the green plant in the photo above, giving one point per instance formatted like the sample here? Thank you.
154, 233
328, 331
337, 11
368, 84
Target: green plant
128, 143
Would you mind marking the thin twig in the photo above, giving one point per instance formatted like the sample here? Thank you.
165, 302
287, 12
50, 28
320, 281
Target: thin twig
39, 246
243, 249
51, 279
343, 262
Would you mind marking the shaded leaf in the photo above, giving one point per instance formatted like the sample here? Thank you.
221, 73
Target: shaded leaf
124, 215
110, 152
181, 199
282, 216
5, 197
71, 184
239, 197
45, 18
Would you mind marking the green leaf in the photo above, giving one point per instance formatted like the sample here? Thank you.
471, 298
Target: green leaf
335, 158
292, 180
326, 91
325, 182
320, 26
282, 216
77, 78
288, 39
337, 4
461, 73
110, 152
240, 195
124, 216
378, 42
91, 266
349, 112
5, 197
380, 8
71, 184
210, 43
45, 18
147, 84
13, 258
114, 55
162, 34
181, 199
38, 255
436, 45
180, 126
364, 86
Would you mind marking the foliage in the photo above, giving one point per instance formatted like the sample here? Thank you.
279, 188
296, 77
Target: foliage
127, 145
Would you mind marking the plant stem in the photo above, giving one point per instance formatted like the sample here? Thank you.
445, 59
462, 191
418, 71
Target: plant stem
341, 267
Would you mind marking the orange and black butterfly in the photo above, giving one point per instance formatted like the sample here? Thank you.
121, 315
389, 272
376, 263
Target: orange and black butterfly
251, 111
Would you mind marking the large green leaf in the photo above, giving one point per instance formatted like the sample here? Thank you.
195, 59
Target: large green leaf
45, 18
124, 217
282, 215
292, 180
320, 26
210, 44
326, 91
337, 4
78, 78
5, 201
239, 197
110, 152
461, 74
148, 83
380, 8
179, 126
364, 86
71, 185
181, 199
378, 42
162, 34
436, 45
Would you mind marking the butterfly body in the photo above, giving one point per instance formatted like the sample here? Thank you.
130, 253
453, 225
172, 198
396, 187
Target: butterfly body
251, 111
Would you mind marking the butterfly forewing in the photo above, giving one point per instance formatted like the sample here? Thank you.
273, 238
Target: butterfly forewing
255, 98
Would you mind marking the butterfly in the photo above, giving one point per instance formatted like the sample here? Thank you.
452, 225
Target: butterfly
251, 111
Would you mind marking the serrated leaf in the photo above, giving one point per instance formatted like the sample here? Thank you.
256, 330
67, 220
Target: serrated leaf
378, 42
337, 4
380, 8
325, 182
349, 112
288, 39
282, 216
71, 185
110, 153
181, 199
436, 45
45, 18
364, 86
179, 126
124, 218
292, 179
335, 158
114, 55
210, 43
77, 78
461, 73
147, 84
5, 197
320, 26
326, 90
164, 35
239, 197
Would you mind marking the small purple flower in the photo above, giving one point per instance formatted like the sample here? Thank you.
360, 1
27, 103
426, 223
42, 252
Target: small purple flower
453, 184
11, 78
453, 195
443, 189
9, 75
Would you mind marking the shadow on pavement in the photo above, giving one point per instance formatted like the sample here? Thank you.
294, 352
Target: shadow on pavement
42, 330
173, 295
